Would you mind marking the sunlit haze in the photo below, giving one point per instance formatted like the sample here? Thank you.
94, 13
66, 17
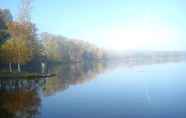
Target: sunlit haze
92, 58
113, 24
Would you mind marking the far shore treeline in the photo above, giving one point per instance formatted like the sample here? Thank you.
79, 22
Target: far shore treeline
21, 46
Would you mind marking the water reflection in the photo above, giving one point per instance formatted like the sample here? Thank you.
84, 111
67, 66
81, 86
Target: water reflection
78, 73
20, 98
68, 75
23, 98
141, 60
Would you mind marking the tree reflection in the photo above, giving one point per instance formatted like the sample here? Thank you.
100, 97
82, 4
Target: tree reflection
22, 99
19, 98
78, 73
72, 74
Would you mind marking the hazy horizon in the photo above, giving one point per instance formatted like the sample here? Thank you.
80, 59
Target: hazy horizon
117, 25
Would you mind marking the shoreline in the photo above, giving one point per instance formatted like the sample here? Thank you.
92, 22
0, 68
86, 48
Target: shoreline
27, 76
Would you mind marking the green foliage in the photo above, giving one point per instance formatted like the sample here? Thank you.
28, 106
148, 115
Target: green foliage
5, 18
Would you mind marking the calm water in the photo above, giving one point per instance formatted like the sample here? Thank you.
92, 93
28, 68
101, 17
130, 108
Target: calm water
153, 90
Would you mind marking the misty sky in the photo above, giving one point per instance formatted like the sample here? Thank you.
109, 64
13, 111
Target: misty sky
113, 24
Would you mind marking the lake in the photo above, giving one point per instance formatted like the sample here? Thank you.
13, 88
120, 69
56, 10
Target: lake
99, 90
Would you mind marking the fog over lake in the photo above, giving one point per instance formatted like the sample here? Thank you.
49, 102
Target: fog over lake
154, 88
92, 59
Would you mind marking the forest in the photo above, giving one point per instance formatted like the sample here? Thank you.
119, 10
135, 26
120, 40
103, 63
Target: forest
21, 46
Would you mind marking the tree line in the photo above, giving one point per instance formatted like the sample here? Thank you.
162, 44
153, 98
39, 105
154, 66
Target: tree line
60, 48
20, 44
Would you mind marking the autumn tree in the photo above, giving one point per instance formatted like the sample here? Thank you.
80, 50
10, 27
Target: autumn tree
23, 33
24, 17
52, 47
63, 49
7, 53
22, 47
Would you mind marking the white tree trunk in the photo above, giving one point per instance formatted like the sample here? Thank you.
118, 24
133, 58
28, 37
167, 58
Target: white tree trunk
10, 67
19, 67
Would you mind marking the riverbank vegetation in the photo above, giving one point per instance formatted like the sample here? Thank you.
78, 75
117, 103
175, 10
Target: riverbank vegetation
22, 47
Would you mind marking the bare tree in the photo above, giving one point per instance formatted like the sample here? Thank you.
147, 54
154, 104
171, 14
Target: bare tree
24, 14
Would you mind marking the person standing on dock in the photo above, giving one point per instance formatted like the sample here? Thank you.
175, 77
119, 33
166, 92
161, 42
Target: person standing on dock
43, 67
